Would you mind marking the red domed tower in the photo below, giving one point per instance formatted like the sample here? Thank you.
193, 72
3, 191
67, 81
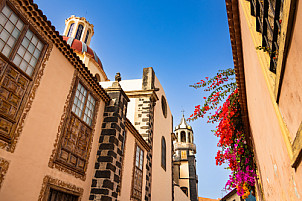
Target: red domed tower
78, 33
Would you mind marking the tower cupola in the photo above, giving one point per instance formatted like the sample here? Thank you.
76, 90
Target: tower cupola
184, 136
78, 28
184, 162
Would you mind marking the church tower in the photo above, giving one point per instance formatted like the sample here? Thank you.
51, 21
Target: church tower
184, 162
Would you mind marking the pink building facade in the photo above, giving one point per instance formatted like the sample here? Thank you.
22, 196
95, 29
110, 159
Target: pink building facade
266, 43
66, 131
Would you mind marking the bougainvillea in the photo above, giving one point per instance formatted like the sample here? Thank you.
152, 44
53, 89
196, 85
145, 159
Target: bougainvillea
223, 102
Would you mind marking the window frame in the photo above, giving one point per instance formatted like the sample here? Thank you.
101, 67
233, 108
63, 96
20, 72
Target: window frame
61, 190
8, 60
85, 103
87, 36
58, 185
163, 153
27, 26
138, 169
69, 33
56, 160
80, 34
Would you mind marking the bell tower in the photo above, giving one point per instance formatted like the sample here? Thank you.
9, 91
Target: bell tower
184, 162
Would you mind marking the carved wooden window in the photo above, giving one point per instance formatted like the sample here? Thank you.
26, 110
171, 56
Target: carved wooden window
73, 151
137, 180
21, 51
56, 195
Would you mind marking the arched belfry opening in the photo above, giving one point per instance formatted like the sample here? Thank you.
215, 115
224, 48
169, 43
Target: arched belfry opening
183, 136
78, 28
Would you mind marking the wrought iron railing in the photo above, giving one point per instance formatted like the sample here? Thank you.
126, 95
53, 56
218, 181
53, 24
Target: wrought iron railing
268, 15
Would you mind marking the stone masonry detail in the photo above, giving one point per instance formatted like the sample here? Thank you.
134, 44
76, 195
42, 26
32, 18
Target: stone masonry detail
108, 166
144, 124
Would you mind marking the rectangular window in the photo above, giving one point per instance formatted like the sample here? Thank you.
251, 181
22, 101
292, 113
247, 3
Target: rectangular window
83, 101
268, 14
20, 57
138, 174
183, 154
55, 195
74, 146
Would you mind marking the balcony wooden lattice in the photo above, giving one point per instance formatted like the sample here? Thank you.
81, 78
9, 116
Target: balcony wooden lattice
268, 15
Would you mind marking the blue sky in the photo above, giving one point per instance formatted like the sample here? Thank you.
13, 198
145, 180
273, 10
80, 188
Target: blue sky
183, 40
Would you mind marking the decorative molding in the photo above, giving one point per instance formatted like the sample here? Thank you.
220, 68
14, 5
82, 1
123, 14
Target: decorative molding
49, 182
10, 147
3, 169
64, 118
143, 93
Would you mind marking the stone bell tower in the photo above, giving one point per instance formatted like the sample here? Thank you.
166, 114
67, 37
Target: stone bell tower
184, 162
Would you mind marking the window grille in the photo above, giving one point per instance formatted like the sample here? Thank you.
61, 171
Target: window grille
55, 195
268, 15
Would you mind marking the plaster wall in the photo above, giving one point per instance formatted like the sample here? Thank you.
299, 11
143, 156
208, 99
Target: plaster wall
179, 195
29, 163
128, 164
277, 176
127, 85
94, 68
92, 65
291, 95
132, 106
161, 188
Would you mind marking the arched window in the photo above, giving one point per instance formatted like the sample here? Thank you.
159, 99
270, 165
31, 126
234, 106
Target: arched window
183, 136
163, 153
87, 35
70, 30
97, 76
185, 190
79, 32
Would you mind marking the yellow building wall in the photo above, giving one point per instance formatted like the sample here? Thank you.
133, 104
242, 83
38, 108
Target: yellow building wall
291, 95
